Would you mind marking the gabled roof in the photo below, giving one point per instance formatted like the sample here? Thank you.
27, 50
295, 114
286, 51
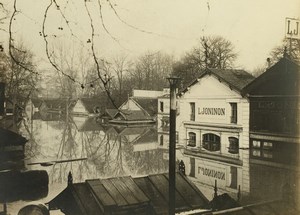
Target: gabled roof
148, 104
127, 195
90, 104
132, 115
236, 79
280, 79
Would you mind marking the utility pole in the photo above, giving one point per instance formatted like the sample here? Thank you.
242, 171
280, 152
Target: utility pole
172, 144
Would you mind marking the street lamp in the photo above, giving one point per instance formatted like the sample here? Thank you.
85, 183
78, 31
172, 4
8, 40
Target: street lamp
174, 81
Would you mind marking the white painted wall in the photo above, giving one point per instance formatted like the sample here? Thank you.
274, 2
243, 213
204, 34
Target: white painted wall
209, 92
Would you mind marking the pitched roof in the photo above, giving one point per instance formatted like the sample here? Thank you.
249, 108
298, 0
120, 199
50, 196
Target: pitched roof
90, 104
132, 115
132, 195
148, 104
236, 79
280, 79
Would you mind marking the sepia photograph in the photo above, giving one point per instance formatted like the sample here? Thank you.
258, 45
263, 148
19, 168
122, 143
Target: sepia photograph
151, 107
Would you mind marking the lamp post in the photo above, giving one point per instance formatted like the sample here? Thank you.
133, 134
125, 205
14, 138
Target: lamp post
172, 143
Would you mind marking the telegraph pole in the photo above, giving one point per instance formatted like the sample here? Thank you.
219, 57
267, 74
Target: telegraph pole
172, 143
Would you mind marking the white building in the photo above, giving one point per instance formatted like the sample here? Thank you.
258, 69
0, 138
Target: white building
213, 126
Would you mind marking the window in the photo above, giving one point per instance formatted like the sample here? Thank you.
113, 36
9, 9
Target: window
192, 139
192, 116
256, 144
233, 173
161, 105
233, 117
193, 166
233, 145
211, 142
268, 145
161, 140
262, 149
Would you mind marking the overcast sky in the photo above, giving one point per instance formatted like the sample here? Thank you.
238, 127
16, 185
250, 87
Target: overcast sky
173, 26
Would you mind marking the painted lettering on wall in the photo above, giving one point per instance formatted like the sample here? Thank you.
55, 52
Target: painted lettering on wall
212, 111
212, 173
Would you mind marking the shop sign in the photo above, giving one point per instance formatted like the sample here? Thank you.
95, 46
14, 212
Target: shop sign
209, 172
292, 28
211, 111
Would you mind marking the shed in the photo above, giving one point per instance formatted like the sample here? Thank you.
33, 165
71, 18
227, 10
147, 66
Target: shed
127, 195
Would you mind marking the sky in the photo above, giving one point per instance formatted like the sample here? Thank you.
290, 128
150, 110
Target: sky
254, 27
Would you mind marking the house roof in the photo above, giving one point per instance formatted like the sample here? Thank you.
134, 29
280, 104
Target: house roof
132, 115
236, 79
91, 103
55, 103
126, 194
280, 79
148, 104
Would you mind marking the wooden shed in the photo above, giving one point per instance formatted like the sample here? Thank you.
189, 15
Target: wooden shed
127, 195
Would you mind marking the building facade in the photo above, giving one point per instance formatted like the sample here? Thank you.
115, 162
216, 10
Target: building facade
213, 127
274, 130
274, 115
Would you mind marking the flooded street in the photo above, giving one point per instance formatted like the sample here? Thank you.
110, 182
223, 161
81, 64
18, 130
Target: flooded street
106, 151
60, 144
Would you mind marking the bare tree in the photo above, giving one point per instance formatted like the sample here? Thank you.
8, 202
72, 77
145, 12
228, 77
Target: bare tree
69, 27
210, 52
20, 82
151, 70
289, 46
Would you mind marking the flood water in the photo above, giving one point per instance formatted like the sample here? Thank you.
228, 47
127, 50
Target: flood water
60, 144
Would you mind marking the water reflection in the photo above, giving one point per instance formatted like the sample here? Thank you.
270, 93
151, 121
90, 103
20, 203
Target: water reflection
110, 150
91, 150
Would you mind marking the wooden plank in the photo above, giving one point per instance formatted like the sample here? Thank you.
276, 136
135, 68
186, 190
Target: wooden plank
190, 195
125, 192
113, 192
87, 199
161, 182
101, 193
77, 200
159, 203
133, 187
203, 197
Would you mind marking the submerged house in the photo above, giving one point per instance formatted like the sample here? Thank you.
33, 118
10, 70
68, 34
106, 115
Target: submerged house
127, 195
56, 105
87, 107
136, 110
